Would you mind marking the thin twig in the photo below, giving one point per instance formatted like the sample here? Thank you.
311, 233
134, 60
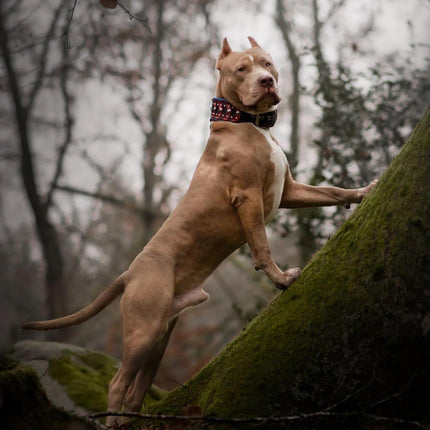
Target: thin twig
259, 420
392, 396
331, 407
43, 59
65, 34
68, 119
176, 382
143, 21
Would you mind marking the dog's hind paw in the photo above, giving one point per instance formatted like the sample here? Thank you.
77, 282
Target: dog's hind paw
290, 276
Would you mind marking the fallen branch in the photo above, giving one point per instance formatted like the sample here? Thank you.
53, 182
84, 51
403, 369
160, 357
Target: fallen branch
261, 420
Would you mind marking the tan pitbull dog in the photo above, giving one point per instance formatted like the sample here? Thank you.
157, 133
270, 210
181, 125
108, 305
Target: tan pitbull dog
240, 181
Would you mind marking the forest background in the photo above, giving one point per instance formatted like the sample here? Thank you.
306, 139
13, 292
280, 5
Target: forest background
104, 114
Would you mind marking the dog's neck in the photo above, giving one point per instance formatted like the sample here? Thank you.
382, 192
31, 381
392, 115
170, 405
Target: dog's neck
223, 110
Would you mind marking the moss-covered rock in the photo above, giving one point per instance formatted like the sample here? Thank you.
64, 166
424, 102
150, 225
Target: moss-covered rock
24, 405
85, 377
353, 333
74, 378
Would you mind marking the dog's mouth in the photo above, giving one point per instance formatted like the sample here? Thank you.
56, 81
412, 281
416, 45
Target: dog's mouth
265, 102
275, 96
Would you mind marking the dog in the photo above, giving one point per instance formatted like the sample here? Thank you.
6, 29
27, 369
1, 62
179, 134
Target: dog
241, 180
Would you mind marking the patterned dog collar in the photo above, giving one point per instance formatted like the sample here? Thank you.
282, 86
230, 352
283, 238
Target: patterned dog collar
222, 110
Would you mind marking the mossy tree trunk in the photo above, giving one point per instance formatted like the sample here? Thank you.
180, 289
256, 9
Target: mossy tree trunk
352, 336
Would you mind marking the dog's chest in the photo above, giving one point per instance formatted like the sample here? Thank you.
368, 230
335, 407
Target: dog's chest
279, 161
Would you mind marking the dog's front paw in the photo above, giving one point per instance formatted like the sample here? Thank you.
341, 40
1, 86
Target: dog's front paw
366, 190
361, 193
371, 185
289, 276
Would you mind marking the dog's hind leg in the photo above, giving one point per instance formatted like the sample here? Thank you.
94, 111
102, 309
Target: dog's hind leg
143, 380
145, 308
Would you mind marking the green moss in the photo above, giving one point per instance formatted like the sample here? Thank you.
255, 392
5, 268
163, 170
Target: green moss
7, 363
86, 378
103, 364
357, 307
24, 405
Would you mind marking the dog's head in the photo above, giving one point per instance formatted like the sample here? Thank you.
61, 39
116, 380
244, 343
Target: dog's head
248, 79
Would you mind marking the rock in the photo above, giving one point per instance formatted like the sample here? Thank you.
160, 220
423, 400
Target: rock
24, 404
59, 379
74, 378
29, 350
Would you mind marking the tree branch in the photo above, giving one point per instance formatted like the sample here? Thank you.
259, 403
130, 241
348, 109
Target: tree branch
65, 35
143, 21
43, 62
99, 196
110, 199
21, 117
68, 119
261, 420
327, 413
7, 59
334, 8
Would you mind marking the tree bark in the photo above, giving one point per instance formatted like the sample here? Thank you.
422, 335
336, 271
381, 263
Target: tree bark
349, 342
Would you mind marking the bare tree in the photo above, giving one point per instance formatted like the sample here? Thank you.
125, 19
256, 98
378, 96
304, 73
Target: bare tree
25, 81
164, 57
47, 50
283, 20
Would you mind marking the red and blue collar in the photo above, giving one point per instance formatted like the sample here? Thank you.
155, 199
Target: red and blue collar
222, 110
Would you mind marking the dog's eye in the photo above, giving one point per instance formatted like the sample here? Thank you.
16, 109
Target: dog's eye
241, 69
268, 64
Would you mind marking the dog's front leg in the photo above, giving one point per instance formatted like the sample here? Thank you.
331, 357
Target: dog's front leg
297, 195
249, 207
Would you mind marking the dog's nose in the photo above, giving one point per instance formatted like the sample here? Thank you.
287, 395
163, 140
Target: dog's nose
266, 81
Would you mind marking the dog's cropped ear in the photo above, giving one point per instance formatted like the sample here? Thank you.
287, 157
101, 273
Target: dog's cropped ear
254, 44
225, 50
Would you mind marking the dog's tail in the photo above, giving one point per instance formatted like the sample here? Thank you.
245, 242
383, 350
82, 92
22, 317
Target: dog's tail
103, 300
